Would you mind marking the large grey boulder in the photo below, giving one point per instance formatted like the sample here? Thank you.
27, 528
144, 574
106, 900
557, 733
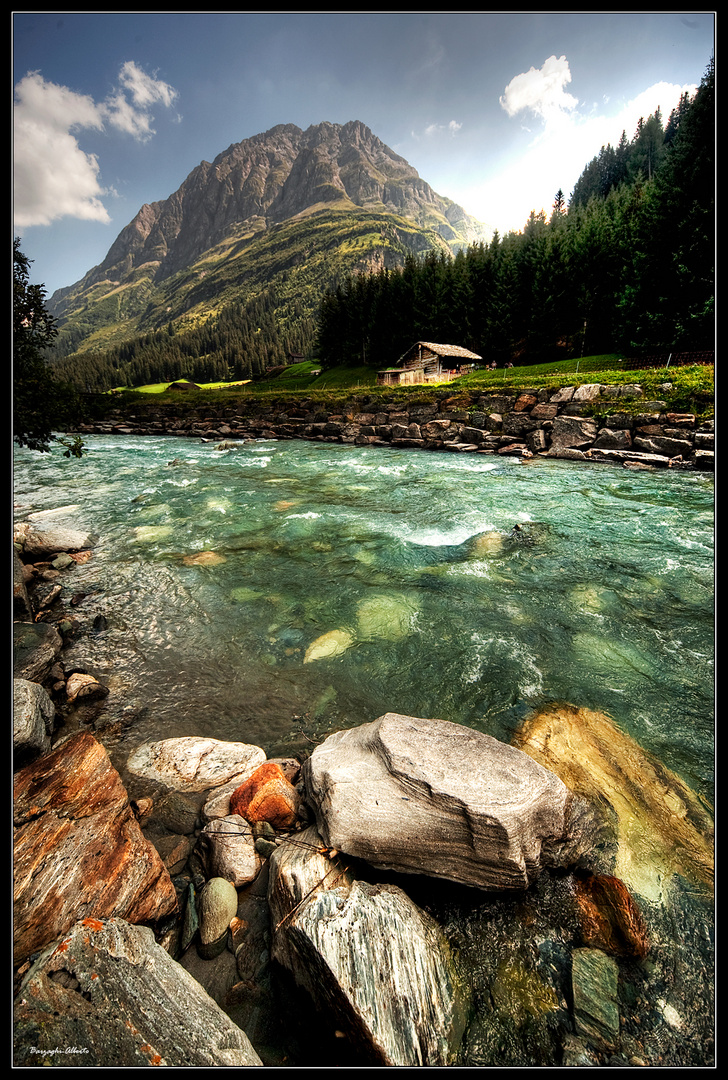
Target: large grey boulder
108, 994
435, 798
378, 967
33, 719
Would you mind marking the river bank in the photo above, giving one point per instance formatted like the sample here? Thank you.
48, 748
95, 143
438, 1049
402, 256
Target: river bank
591, 422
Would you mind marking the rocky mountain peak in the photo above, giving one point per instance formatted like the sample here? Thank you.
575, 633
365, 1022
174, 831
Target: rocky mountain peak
270, 178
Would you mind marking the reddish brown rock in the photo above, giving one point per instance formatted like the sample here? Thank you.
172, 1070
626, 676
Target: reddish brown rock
78, 849
266, 796
610, 919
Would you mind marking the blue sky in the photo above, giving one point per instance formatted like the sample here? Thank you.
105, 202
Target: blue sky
495, 110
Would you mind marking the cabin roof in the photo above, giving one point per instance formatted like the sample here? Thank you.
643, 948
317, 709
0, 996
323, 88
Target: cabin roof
442, 350
183, 384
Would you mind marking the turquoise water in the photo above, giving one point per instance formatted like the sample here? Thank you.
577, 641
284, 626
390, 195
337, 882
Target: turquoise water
602, 597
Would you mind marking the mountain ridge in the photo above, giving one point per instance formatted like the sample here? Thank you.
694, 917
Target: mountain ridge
268, 180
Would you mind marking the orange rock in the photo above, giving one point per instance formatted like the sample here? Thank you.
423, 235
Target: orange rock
78, 851
266, 796
610, 919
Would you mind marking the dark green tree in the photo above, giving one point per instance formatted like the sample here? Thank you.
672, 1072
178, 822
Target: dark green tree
41, 404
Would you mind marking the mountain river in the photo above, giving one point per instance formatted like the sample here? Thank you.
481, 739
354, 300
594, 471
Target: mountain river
279, 591
464, 588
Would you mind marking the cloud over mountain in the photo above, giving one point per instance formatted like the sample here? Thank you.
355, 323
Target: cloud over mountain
54, 176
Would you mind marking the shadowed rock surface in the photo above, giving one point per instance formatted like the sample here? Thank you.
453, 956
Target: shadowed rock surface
33, 716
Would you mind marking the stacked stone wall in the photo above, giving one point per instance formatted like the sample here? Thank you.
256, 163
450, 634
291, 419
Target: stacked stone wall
592, 422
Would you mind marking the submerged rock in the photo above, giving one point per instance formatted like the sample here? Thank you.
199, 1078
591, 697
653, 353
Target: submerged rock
204, 558
610, 918
109, 994
376, 965
385, 616
431, 797
663, 828
334, 643
596, 1009
150, 534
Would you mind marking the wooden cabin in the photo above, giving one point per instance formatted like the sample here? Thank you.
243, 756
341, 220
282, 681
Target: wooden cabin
183, 384
428, 362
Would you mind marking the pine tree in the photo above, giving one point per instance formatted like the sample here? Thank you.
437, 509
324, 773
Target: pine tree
42, 404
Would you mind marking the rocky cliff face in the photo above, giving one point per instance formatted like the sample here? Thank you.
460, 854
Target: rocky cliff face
268, 179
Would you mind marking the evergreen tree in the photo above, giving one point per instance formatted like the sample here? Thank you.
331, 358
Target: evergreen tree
41, 403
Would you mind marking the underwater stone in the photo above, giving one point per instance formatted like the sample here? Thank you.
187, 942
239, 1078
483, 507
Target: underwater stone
663, 827
596, 1012
334, 643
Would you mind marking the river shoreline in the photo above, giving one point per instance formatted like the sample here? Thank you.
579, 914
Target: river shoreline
590, 423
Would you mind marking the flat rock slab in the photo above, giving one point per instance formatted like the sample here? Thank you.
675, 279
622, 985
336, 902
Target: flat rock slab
595, 978
54, 538
78, 849
107, 995
191, 763
435, 798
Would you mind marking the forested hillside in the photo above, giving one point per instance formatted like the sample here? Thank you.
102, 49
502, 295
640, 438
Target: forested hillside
628, 264
240, 343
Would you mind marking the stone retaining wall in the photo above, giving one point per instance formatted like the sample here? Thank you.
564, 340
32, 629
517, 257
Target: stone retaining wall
592, 422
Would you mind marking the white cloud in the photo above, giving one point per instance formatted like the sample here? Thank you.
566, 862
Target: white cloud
541, 92
134, 116
145, 91
434, 129
54, 177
